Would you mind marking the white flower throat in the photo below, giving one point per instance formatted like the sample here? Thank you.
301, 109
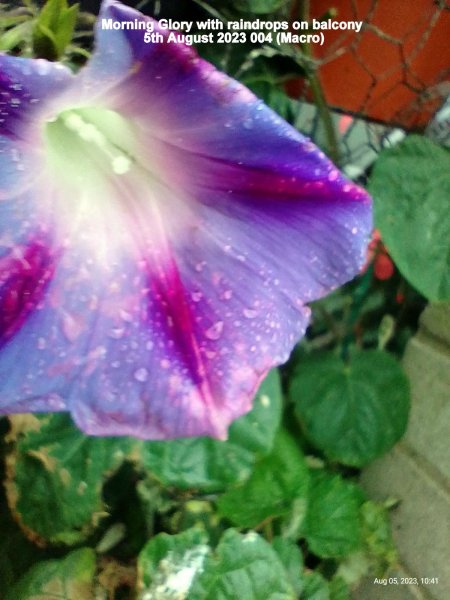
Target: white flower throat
88, 141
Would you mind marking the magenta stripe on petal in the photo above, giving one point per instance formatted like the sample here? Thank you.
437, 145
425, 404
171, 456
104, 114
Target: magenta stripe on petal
25, 273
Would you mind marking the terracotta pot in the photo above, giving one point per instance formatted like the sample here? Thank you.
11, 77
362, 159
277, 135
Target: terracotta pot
395, 70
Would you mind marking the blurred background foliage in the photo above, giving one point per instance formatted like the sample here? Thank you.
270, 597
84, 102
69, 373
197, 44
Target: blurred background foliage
276, 511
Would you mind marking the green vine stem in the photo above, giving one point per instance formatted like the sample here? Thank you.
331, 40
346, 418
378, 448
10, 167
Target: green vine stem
318, 94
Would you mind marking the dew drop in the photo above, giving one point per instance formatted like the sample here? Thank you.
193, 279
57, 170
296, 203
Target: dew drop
71, 327
249, 313
56, 402
141, 375
116, 333
125, 316
41, 343
196, 296
214, 332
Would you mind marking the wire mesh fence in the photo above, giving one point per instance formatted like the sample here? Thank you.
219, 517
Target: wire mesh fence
390, 78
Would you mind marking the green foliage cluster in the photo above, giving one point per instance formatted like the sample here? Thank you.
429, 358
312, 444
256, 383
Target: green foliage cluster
245, 518
275, 512
58, 31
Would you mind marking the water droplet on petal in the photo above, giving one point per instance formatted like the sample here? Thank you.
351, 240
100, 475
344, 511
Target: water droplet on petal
141, 375
250, 313
116, 333
72, 327
214, 332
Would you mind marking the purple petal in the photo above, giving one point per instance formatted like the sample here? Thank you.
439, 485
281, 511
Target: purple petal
120, 344
153, 299
26, 86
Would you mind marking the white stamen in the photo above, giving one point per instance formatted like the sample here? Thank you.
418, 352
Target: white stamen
121, 164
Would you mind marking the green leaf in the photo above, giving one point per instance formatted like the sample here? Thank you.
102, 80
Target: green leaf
44, 42
66, 26
54, 29
355, 412
212, 465
411, 188
17, 553
169, 563
378, 553
377, 537
197, 513
277, 480
316, 587
15, 36
339, 589
184, 566
56, 475
70, 578
331, 526
50, 14
244, 566
291, 558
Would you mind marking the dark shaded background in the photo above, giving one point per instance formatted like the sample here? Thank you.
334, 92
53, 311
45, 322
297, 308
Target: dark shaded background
168, 8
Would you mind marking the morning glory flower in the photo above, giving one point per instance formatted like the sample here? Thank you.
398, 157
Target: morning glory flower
161, 230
